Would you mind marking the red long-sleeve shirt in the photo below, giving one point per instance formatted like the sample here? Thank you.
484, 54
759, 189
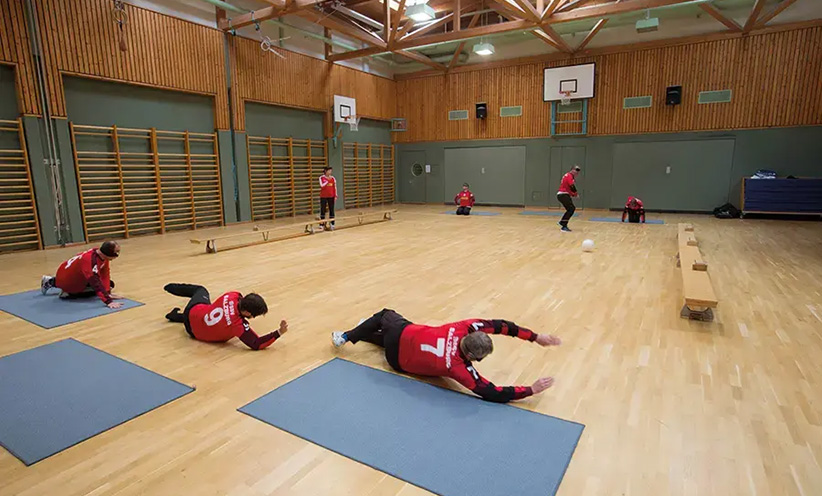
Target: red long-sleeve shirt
434, 351
221, 321
567, 185
638, 208
464, 199
84, 270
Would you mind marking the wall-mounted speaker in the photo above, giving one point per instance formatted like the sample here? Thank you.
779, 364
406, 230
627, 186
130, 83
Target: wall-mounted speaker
482, 110
673, 95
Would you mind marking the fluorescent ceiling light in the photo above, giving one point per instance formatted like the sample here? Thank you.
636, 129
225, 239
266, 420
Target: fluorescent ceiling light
484, 49
409, 3
420, 12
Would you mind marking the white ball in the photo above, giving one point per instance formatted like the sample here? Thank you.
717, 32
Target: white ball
588, 245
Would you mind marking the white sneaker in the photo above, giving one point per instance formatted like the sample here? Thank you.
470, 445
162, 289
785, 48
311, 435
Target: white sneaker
46, 283
338, 338
64, 295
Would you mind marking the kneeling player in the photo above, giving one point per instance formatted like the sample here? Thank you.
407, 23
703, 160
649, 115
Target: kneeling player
86, 275
446, 350
224, 319
634, 210
465, 200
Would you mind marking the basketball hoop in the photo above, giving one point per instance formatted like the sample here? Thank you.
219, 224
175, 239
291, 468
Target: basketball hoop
353, 122
566, 97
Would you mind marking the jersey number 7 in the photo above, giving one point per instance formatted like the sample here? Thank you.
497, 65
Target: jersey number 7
439, 350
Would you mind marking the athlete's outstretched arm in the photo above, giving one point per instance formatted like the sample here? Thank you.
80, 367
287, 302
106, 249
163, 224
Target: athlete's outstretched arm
255, 342
508, 328
485, 389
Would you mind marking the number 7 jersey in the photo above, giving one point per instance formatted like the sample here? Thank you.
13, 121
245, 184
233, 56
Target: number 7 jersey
434, 351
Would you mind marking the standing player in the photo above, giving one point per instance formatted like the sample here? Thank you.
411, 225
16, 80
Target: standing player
568, 190
465, 199
328, 195
446, 350
86, 274
224, 319
634, 210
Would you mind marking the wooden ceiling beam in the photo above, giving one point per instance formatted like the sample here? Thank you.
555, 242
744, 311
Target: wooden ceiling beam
456, 56
355, 54
609, 9
572, 5
590, 36
421, 59
557, 40
775, 12
727, 21
428, 27
757, 8
529, 10
503, 27
279, 8
506, 10
343, 27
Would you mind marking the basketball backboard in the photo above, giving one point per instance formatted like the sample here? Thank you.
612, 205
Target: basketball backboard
578, 80
344, 108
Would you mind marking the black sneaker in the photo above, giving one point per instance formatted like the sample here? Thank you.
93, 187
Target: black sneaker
565, 229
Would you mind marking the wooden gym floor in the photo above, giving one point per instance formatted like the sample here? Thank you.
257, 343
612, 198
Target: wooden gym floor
670, 406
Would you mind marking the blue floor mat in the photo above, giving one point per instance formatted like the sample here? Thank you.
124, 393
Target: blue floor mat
619, 220
60, 394
487, 214
50, 311
449, 443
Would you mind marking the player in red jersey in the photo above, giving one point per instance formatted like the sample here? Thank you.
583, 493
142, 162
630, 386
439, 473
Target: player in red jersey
86, 274
446, 350
465, 199
568, 190
634, 210
224, 319
328, 195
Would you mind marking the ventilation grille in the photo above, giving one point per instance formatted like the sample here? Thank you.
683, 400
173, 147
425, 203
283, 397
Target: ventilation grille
720, 96
510, 111
635, 102
458, 115
573, 107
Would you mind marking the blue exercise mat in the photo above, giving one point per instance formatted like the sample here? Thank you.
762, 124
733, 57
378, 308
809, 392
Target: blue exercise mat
443, 441
60, 394
487, 214
541, 212
50, 311
619, 220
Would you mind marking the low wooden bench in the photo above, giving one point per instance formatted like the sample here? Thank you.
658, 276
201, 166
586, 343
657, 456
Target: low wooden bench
309, 227
700, 298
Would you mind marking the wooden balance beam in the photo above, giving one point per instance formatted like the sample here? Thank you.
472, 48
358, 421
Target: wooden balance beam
309, 227
700, 298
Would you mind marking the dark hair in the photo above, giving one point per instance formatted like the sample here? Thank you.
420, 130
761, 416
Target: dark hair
109, 249
466, 185
576, 168
326, 169
253, 304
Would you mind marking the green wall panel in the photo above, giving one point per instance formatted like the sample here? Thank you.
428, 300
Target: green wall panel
227, 176
8, 93
282, 122
496, 175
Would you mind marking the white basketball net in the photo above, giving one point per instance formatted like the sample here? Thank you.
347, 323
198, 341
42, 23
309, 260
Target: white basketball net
566, 98
353, 122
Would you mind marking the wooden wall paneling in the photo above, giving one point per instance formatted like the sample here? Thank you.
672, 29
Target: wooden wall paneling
15, 49
19, 225
774, 77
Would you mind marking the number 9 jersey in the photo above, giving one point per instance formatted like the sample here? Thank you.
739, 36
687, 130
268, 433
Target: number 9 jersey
219, 321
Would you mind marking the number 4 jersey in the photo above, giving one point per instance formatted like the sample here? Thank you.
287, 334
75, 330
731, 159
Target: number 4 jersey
434, 351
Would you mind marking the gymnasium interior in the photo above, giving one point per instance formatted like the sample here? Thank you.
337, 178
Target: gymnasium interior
666, 346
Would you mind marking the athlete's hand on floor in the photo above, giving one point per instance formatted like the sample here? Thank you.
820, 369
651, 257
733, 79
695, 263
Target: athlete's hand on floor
542, 384
283, 327
114, 305
548, 340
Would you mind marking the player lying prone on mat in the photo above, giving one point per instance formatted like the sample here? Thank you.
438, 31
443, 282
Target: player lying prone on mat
86, 274
446, 350
224, 319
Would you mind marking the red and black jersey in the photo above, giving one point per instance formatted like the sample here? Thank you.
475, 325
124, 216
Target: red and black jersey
435, 351
634, 210
84, 270
568, 185
328, 187
221, 321
464, 199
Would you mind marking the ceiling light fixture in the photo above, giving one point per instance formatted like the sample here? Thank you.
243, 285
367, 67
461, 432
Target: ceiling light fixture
420, 12
484, 49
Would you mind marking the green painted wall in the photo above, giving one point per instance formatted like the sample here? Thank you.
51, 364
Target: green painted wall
495, 174
613, 166
102, 103
8, 93
282, 122
227, 176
